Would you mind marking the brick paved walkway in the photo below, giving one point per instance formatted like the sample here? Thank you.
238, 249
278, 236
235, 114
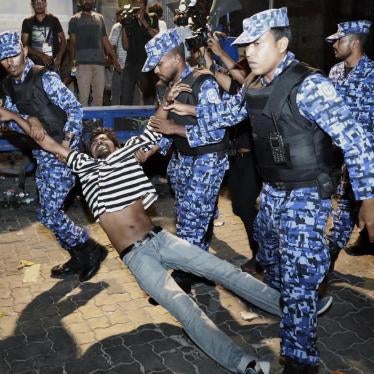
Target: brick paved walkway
107, 326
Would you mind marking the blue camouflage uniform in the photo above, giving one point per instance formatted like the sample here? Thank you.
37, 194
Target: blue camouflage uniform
357, 89
54, 179
196, 180
290, 225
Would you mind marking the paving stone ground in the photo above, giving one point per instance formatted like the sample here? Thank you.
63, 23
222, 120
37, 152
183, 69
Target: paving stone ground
106, 325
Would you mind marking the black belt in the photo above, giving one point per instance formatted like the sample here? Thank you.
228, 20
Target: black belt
149, 235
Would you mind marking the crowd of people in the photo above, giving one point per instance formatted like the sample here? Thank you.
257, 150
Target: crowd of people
299, 138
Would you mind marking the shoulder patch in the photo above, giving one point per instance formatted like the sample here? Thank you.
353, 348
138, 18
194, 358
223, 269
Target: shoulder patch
327, 90
212, 96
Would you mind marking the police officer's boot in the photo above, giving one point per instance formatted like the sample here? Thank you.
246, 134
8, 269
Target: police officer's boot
294, 367
72, 266
252, 266
363, 247
90, 255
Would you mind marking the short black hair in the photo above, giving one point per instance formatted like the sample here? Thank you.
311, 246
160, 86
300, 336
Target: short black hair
362, 38
179, 51
282, 32
106, 131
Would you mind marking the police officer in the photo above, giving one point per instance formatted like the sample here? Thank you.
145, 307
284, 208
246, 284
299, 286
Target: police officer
33, 90
296, 115
353, 78
196, 170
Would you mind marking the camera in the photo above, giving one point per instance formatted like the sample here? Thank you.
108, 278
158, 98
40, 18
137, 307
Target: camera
128, 16
197, 13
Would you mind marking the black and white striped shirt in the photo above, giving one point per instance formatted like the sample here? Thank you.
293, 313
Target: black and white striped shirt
114, 183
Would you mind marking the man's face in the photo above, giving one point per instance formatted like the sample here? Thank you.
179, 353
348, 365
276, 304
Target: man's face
343, 47
139, 3
166, 69
15, 65
39, 6
87, 5
264, 55
102, 147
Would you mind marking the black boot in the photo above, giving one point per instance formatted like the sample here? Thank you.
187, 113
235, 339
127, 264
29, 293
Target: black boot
90, 254
72, 266
363, 247
294, 367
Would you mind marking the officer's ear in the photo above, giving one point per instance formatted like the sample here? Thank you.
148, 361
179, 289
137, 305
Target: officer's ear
282, 44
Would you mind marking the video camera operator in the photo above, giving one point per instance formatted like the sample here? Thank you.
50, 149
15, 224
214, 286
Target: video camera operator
138, 28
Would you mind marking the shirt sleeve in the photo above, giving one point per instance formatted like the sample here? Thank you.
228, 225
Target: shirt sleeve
205, 132
57, 25
72, 26
61, 96
26, 27
80, 163
319, 102
145, 141
103, 28
114, 35
225, 112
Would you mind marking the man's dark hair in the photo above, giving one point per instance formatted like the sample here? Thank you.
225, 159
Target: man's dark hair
156, 8
362, 38
281, 32
106, 131
179, 51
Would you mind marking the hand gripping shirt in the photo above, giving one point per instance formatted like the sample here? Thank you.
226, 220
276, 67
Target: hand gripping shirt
113, 183
208, 94
318, 101
59, 95
357, 89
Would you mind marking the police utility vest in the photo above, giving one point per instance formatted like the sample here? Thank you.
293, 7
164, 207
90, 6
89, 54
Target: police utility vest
291, 151
194, 80
31, 99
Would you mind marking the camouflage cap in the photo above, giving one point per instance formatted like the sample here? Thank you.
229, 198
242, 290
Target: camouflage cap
350, 27
254, 27
10, 44
158, 46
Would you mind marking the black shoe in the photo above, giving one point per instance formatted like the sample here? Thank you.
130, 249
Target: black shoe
294, 367
72, 266
91, 254
252, 266
360, 250
183, 280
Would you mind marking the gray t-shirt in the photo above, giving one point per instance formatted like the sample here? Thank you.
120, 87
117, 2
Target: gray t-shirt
88, 30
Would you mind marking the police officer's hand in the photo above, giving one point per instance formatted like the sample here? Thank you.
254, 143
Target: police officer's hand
175, 90
37, 130
166, 126
181, 109
366, 217
6, 115
142, 155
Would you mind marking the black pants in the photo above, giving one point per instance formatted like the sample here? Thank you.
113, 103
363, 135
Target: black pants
132, 75
244, 184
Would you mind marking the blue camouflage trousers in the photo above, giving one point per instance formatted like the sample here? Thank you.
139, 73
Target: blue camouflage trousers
344, 215
293, 249
54, 180
196, 181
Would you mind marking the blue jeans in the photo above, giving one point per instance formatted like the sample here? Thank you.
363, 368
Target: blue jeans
150, 261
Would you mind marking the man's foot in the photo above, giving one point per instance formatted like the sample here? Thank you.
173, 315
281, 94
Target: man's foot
183, 280
252, 266
294, 367
260, 367
366, 249
323, 304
